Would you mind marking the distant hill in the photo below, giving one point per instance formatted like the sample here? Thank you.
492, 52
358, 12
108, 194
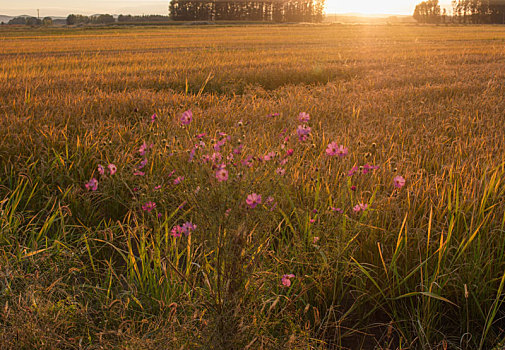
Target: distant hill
7, 18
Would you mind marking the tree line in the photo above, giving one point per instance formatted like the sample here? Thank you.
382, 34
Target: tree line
479, 11
464, 11
98, 19
266, 11
144, 18
31, 21
107, 19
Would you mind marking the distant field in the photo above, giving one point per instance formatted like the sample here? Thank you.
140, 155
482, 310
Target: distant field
337, 254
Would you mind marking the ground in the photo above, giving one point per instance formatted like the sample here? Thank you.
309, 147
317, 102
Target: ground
377, 221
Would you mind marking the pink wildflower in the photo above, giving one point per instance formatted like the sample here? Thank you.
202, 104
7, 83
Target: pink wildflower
142, 149
332, 149
149, 206
216, 157
192, 154
101, 170
315, 240
360, 207
337, 210
186, 117
399, 181
153, 117
253, 200
143, 164
303, 117
176, 231
269, 156
112, 169
353, 171
178, 180
205, 158
92, 185
280, 171
369, 168
286, 280
273, 115
238, 150
303, 132
335, 150
200, 136
219, 144
222, 175
342, 151
188, 228
139, 173
247, 162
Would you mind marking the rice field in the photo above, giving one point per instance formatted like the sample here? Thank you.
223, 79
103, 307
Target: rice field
252, 187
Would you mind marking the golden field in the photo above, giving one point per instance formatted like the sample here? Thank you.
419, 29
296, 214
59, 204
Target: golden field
416, 266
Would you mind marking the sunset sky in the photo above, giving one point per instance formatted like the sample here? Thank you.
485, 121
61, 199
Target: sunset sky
64, 7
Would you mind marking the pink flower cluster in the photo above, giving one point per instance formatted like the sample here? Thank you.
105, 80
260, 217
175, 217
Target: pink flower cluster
360, 207
187, 228
149, 206
92, 185
112, 169
303, 132
367, 168
144, 148
334, 149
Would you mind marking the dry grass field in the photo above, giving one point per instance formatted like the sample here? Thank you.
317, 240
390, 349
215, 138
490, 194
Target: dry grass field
377, 221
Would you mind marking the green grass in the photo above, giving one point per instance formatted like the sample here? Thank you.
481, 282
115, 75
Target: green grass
422, 268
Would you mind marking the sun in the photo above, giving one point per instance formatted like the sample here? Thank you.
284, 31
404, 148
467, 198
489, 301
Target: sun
371, 7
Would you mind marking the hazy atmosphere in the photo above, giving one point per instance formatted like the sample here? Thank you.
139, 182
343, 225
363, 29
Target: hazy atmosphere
65, 7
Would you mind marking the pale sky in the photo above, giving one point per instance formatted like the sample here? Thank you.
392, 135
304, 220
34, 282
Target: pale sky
88, 7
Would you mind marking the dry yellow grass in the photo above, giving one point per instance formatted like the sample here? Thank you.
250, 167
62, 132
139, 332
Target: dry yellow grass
425, 102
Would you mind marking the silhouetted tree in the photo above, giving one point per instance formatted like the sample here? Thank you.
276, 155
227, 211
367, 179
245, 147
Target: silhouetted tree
47, 21
479, 11
29, 21
427, 12
78, 19
145, 18
17, 20
102, 19
249, 10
